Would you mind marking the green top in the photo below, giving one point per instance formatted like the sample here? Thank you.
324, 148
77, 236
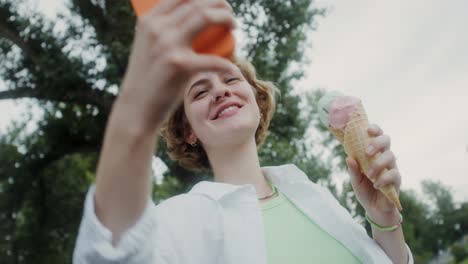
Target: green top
292, 237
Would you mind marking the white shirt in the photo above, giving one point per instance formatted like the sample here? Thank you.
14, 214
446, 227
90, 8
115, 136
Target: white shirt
219, 223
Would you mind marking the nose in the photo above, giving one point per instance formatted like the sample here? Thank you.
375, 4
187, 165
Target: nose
220, 91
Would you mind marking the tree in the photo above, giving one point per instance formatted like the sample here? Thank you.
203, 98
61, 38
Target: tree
448, 221
459, 252
72, 67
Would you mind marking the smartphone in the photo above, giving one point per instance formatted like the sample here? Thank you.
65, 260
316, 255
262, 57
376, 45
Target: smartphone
215, 40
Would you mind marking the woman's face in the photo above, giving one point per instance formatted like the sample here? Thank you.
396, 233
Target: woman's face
221, 109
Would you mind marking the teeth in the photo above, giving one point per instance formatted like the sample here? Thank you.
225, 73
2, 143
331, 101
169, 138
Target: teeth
226, 110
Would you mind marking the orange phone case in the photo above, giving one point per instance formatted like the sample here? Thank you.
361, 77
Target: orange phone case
216, 40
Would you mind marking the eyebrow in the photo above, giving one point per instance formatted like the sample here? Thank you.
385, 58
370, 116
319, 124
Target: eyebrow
205, 80
199, 82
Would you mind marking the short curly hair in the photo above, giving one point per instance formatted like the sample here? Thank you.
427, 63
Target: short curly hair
177, 126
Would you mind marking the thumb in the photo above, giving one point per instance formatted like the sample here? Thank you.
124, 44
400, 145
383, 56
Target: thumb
202, 62
354, 172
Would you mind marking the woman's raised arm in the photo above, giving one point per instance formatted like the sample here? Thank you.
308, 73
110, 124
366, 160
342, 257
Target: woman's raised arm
161, 64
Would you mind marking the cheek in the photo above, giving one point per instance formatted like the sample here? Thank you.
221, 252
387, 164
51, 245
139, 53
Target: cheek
196, 113
252, 95
246, 92
253, 99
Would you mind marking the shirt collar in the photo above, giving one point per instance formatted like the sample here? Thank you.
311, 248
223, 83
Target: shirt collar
278, 175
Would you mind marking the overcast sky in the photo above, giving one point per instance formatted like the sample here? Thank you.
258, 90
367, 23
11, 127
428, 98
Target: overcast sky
408, 62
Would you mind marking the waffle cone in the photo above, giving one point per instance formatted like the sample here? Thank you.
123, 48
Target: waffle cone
354, 139
338, 133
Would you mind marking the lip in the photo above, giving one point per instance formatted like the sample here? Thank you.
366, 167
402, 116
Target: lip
224, 106
228, 114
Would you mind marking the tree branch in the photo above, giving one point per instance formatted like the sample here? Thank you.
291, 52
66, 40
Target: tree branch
94, 14
106, 30
7, 32
98, 98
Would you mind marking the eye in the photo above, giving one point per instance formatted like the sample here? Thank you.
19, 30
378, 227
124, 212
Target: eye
231, 80
199, 94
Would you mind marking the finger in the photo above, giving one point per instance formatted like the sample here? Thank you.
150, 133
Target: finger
226, 4
204, 17
155, 17
385, 160
182, 13
353, 169
164, 7
357, 178
378, 144
215, 3
210, 63
389, 177
353, 166
191, 63
374, 130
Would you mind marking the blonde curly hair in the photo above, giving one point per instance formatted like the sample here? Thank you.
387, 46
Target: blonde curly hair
177, 126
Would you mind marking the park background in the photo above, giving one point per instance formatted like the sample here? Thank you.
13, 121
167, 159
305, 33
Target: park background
61, 63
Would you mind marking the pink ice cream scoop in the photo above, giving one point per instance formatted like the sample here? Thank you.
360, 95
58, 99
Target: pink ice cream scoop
336, 109
340, 111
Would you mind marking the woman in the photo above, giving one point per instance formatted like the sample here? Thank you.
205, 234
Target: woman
214, 113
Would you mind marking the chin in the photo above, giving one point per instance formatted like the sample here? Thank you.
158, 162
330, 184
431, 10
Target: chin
233, 131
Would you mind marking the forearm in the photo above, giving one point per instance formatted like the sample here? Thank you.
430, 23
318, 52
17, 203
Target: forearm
392, 242
123, 183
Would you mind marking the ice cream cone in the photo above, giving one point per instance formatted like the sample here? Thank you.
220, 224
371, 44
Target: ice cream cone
355, 140
338, 133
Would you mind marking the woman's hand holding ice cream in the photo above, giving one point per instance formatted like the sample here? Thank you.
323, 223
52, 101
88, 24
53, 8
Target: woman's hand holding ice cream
372, 167
346, 118
378, 207
383, 172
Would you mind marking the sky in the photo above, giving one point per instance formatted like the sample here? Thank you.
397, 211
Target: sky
408, 63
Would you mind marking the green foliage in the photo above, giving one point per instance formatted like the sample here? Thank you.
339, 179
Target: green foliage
41, 209
448, 222
459, 252
416, 226
166, 189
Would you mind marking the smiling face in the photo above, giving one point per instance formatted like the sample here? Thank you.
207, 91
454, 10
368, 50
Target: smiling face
221, 109
240, 94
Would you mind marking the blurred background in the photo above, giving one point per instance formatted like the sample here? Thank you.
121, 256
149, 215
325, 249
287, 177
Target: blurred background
61, 63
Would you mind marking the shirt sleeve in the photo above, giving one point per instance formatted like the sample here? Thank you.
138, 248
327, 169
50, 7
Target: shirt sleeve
139, 244
410, 255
